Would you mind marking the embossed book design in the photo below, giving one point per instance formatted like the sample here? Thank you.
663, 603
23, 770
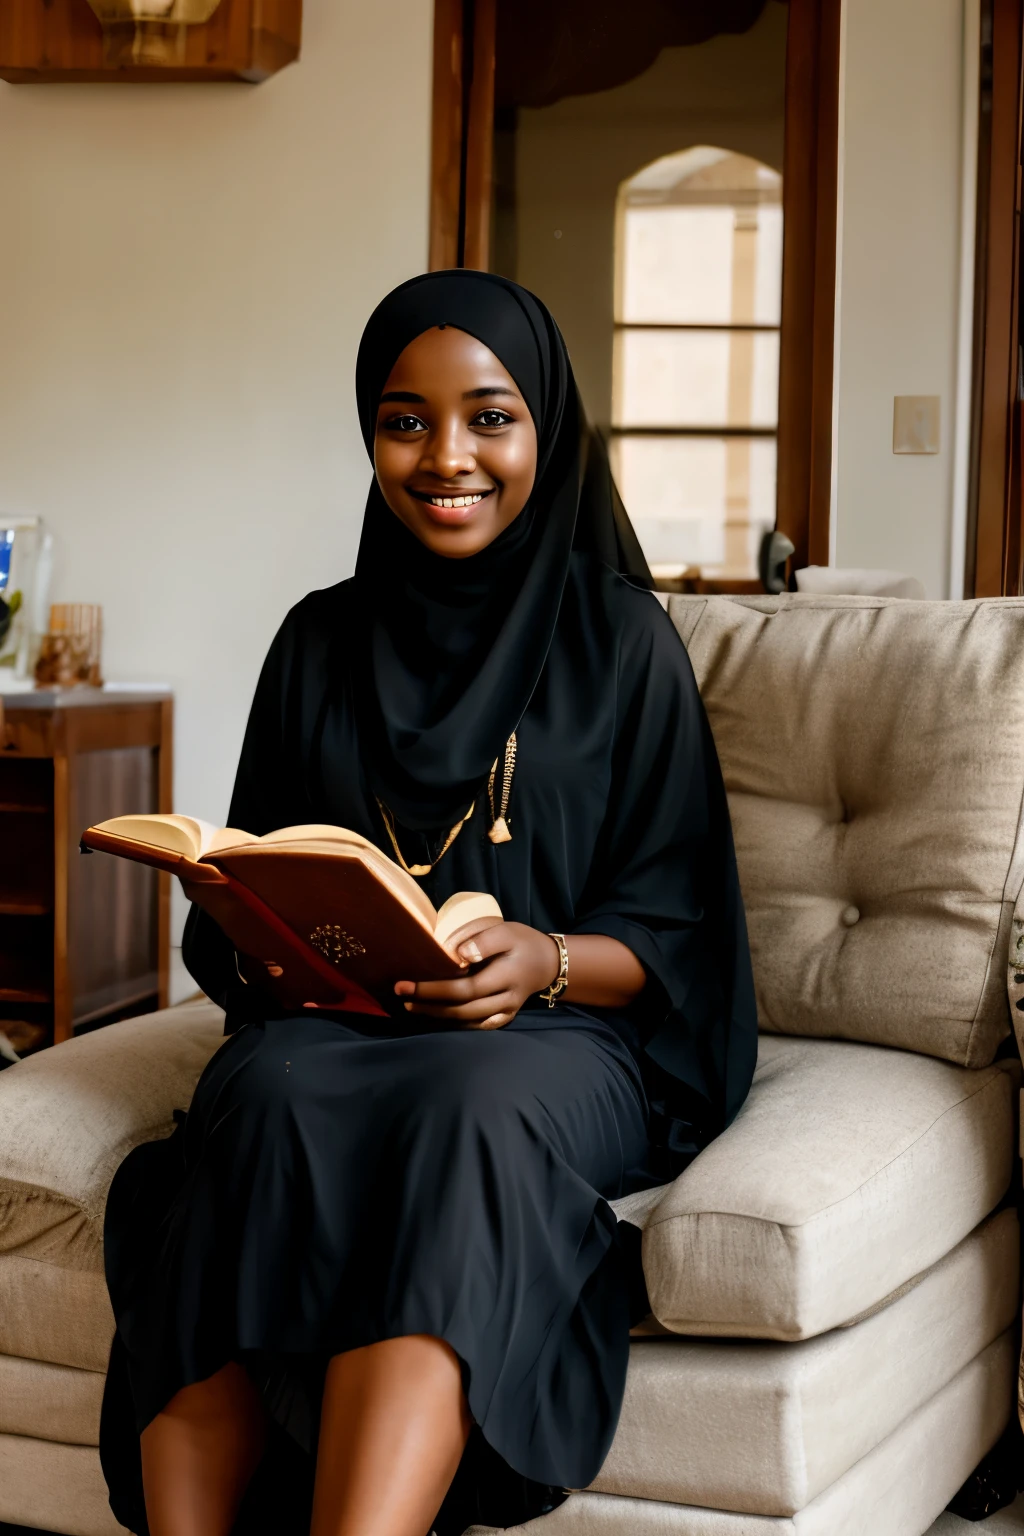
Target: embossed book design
319, 917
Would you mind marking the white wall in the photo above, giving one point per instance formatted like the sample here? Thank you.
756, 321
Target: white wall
184, 274
899, 263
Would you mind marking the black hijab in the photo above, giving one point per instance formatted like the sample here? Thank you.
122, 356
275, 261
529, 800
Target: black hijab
445, 654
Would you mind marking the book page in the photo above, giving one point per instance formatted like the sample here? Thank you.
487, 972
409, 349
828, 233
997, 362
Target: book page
316, 831
228, 837
463, 908
177, 834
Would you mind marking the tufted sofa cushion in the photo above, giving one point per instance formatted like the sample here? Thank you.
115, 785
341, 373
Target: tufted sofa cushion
873, 750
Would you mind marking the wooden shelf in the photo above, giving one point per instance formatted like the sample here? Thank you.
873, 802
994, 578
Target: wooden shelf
26, 994
26, 787
14, 906
26, 963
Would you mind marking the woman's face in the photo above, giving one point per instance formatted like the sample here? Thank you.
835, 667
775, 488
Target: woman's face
455, 449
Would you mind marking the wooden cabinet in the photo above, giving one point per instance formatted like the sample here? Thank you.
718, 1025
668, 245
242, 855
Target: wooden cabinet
83, 938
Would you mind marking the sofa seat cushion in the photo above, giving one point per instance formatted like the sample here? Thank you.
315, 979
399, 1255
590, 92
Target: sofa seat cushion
765, 1427
873, 752
898, 1489
49, 1312
54, 1487
849, 1170
50, 1402
70, 1115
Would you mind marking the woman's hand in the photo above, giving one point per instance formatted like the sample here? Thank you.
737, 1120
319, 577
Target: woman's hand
509, 963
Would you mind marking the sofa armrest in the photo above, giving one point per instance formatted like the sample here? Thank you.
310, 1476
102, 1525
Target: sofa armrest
69, 1115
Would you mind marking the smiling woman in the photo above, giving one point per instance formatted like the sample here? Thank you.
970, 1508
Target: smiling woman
391, 1236
459, 468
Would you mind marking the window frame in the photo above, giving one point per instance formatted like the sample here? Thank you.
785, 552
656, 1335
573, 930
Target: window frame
676, 431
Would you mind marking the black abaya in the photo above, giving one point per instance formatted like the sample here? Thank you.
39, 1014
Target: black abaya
346, 1180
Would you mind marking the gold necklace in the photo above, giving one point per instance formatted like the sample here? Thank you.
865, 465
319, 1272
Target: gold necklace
419, 870
498, 832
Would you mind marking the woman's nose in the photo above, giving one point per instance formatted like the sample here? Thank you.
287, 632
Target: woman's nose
449, 452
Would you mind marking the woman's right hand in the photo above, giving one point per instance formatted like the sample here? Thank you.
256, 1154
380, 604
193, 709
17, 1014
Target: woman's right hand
508, 963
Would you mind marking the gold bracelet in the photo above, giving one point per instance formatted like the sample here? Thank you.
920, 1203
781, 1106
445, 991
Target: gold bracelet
561, 981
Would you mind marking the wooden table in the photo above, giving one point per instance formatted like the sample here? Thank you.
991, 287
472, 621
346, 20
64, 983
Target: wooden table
82, 939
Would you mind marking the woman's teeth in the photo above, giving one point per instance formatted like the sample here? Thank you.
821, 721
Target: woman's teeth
455, 501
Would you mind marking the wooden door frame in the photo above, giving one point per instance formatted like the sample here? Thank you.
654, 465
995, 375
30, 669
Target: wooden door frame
460, 216
993, 555
462, 133
810, 178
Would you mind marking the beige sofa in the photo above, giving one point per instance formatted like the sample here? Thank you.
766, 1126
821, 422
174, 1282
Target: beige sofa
835, 1281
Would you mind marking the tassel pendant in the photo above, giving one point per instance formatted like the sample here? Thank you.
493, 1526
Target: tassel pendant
498, 832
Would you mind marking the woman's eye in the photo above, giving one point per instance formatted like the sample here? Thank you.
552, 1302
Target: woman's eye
492, 417
405, 424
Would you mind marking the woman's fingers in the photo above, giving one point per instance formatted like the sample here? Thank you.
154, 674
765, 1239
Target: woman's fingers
509, 962
487, 941
496, 1020
460, 989
497, 1006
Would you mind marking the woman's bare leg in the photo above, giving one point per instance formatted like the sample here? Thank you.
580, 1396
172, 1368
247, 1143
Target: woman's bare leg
392, 1432
199, 1454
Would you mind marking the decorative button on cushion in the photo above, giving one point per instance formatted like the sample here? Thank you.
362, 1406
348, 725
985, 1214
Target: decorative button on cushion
873, 745
850, 916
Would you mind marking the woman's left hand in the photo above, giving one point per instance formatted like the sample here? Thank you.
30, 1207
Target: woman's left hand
510, 962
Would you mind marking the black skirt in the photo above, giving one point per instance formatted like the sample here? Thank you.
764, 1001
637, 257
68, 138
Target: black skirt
332, 1187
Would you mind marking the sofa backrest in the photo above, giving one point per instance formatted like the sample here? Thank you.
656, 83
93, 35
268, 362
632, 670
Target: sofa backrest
873, 752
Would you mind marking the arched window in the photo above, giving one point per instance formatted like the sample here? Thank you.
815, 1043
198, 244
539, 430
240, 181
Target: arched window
698, 268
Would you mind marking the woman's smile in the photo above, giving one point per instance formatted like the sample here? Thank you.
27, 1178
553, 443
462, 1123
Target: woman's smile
448, 508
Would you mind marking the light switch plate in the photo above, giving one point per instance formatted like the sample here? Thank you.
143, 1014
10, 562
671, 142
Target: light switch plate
915, 424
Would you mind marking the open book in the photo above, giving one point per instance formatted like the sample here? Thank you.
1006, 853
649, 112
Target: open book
319, 917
